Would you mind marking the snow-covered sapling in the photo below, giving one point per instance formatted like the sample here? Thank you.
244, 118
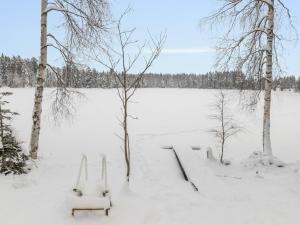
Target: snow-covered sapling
120, 63
226, 125
12, 157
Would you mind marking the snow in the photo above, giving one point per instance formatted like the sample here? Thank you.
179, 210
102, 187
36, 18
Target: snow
87, 202
157, 195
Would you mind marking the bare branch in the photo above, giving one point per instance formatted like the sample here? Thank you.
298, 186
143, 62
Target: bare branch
120, 62
227, 126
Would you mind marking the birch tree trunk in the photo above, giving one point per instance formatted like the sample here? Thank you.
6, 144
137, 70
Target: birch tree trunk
249, 43
37, 110
267, 148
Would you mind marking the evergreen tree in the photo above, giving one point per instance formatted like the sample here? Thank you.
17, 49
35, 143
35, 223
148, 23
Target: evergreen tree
12, 158
297, 85
19, 72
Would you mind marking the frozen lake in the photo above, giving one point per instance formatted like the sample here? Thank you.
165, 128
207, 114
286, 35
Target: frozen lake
165, 117
232, 195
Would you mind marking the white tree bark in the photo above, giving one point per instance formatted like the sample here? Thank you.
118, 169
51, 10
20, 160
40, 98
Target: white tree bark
85, 21
267, 148
251, 45
37, 110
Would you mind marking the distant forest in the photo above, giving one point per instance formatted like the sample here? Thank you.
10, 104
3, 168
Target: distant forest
19, 72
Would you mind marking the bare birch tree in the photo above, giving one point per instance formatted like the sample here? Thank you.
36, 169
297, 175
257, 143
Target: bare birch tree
226, 125
251, 44
120, 62
84, 21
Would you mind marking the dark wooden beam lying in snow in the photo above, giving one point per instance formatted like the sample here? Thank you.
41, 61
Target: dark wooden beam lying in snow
88, 209
184, 174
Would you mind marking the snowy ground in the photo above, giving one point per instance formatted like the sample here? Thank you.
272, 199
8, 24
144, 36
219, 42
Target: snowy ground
158, 194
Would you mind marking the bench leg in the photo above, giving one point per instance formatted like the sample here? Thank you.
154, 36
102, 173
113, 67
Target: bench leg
73, 212
106, 212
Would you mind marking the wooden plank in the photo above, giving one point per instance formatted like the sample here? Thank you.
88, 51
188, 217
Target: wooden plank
184, 174
89, 209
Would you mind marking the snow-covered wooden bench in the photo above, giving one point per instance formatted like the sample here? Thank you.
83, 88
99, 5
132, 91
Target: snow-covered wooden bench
90, 196
80, 203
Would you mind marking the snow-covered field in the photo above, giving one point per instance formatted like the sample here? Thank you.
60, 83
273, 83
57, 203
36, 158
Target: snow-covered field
158, 195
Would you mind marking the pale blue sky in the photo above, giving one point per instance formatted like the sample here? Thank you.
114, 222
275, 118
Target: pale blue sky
187, 46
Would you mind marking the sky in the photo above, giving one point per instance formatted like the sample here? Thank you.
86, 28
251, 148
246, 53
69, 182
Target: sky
188, 48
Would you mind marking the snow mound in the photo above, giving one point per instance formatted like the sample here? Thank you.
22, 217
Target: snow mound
88, 202
257, 159
89, 188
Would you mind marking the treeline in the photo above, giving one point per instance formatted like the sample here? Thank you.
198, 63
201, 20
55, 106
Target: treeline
18, 72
